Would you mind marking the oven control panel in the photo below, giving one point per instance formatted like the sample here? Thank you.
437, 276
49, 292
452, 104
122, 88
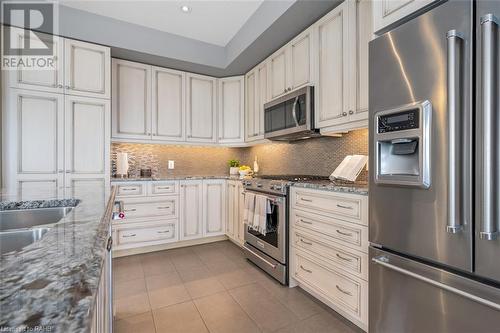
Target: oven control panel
400, 121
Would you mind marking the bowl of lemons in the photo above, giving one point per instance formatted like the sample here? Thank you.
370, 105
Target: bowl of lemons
245, 171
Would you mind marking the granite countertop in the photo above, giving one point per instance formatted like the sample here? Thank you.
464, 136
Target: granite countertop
360, 188
172, 177
52, 283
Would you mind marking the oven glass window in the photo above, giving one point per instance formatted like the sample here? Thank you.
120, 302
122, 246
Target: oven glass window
271, 236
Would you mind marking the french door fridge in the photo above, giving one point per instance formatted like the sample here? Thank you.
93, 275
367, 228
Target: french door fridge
435, 172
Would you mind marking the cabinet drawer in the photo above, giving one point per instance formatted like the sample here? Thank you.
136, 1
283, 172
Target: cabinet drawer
345, 206
130, 189
345, 233
163, 188
147, 234
166, 207
353, 262
346, 293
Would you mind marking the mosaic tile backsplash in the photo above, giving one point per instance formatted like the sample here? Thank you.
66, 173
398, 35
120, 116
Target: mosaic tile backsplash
318, 156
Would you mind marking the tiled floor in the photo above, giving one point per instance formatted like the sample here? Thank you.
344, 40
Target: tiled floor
211, 288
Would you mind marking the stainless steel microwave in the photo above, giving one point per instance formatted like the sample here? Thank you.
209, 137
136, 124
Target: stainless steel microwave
291, 117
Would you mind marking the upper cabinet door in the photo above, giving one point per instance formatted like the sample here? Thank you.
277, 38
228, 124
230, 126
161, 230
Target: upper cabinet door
300, 60
364, 34
231, 109
251, 131
262, 97
334, 68
87, 69
201, 108
277, 73
50, 80
34, 125
131, 115
387, 12
87, 133
168, 106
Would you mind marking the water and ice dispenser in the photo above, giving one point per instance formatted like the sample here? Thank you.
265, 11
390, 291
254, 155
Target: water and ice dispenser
402, 145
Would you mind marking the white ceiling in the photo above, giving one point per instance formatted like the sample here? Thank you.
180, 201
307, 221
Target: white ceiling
214, 22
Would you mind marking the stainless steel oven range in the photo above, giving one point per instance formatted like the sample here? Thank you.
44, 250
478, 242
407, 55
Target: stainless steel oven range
270, 252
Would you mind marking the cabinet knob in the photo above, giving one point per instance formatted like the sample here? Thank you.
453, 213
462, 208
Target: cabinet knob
344, 113
351, 112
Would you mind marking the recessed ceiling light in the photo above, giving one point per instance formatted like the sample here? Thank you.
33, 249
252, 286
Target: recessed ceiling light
185, 9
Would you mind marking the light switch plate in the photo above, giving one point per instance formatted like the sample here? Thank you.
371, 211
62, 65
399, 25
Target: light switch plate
171, 165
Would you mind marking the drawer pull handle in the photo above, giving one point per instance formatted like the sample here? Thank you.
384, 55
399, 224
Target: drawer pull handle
163, 207
344, 233
129, 189
344, 207
306, 222
163, 232
303, 241
306, 200
305, 269
130, 210
342, 257
343, 291
131, 235
163, 187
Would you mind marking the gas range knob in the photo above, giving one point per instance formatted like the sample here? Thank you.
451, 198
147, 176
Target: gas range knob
258, 185
278, 187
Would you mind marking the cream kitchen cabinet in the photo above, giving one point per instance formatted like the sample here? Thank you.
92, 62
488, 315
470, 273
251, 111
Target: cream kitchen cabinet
231, 109
256, 95
191, 209
214, 207
329, 249
291, 66
131, 96
86, 69
80, 68
235, 206
201, 108
388, 12
55, 138
168, 104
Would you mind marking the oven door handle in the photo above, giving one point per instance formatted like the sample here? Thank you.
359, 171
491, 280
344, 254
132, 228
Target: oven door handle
261, 257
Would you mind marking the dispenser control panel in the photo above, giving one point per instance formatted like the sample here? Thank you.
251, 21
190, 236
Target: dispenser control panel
400, 121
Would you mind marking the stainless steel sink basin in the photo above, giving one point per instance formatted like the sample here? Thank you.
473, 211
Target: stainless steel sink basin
29, 218
16, 240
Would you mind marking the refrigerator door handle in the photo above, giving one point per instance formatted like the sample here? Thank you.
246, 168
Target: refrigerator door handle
454, 80
489, 134
385, 261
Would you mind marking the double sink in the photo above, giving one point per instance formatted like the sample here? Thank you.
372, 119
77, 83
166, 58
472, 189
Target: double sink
20, 228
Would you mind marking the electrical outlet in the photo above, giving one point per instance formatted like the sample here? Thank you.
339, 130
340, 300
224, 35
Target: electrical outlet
171, 165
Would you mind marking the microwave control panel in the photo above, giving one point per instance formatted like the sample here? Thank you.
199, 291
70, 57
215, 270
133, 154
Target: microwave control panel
398, 121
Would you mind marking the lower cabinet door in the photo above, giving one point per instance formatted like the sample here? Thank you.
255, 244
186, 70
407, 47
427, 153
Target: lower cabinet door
146, 234
214, 207
191, 209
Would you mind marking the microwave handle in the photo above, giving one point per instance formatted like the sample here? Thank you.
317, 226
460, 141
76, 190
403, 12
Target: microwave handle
294, 111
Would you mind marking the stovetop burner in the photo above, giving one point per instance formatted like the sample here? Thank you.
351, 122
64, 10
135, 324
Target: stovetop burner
293, 178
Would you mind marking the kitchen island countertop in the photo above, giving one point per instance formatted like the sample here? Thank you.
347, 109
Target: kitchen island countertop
52, 284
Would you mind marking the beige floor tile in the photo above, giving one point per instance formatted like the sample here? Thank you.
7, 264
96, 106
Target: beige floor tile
265, 310
188, 261
156, 265
236, 278
200, 282
222, 314
129, 288
321, 323
140, 323
221, 267
300, 303
125, 270
132, 305
165, 290
179, 318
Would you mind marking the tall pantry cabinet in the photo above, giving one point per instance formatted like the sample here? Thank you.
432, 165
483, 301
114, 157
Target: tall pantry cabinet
56, 123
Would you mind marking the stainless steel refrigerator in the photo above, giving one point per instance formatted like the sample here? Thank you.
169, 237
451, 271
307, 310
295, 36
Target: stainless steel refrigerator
435, 172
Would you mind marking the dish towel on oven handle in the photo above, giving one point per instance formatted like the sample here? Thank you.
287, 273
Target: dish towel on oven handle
262, 208
248, 211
